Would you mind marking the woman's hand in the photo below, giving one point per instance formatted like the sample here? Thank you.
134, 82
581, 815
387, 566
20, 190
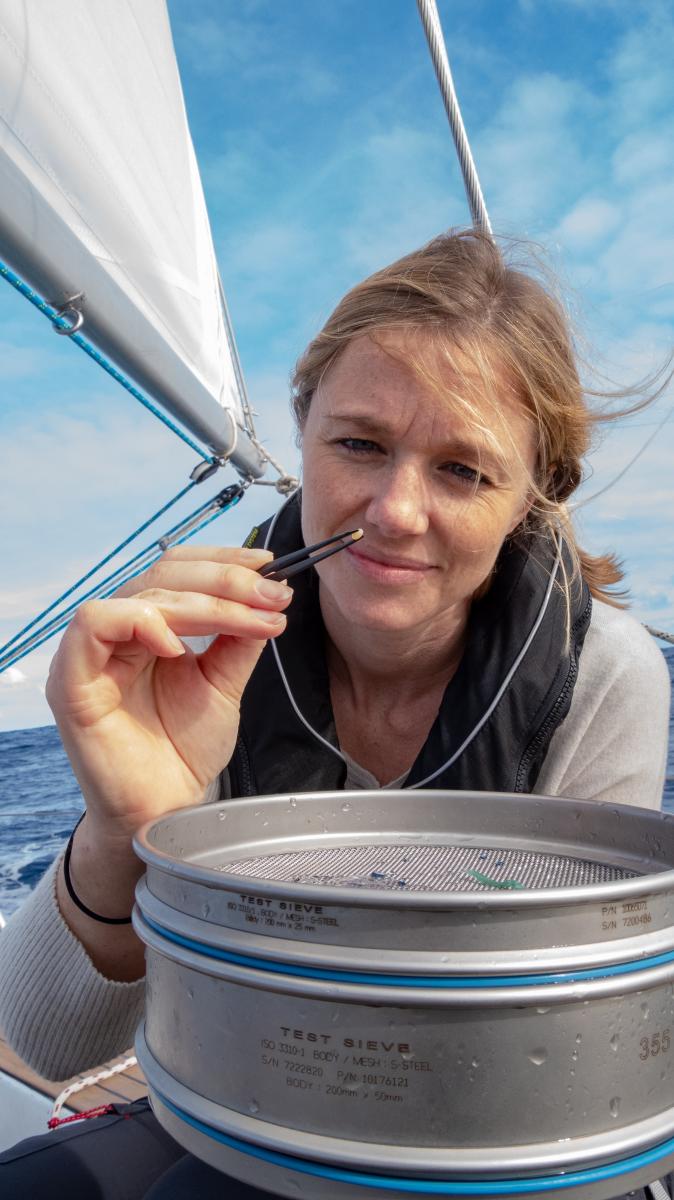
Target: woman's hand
147, 723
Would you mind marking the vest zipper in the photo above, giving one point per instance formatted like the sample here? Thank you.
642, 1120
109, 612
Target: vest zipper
550, 721
244, 768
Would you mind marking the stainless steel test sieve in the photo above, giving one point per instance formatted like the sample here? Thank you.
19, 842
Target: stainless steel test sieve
430, 993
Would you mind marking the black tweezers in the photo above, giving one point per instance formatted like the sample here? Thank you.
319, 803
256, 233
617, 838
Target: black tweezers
292, 564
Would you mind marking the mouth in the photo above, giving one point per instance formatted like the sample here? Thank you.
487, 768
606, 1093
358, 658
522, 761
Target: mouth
389, 568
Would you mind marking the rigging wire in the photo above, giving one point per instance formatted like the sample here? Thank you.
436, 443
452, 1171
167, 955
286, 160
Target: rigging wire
602, 491
436, 44
248, 421
286, 483
92, 571
67, 321
107, 587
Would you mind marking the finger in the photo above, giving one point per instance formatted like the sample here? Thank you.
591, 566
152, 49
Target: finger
228, 665
242, 555
100, 626
196, 614
227, 581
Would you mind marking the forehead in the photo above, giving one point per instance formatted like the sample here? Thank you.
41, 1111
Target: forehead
400, 379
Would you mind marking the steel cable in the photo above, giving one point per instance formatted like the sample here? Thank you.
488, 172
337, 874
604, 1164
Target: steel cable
436, 43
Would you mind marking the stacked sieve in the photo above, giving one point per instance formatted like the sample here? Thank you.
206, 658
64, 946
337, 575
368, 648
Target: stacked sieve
395, 994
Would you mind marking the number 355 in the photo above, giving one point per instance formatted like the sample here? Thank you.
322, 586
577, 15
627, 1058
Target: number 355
657, 1043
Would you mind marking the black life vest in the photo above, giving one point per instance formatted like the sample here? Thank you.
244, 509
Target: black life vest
276, 753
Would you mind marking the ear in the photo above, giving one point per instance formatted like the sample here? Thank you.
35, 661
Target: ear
563, 479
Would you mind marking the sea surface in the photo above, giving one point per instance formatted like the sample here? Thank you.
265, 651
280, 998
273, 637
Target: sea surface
40, 803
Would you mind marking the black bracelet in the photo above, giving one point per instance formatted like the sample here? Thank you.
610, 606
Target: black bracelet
73, 895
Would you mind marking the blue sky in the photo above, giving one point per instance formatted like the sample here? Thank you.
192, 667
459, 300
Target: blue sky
325, 153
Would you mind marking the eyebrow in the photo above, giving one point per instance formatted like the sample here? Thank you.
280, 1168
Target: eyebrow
478, 451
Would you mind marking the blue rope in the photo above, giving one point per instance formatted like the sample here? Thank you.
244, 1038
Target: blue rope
83, 579
61, 323
517, 1187
52, 627
58, 623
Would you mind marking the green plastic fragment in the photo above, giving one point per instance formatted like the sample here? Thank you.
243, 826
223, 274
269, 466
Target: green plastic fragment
504, 884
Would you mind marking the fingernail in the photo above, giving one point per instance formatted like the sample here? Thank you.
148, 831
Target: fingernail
270, 618
174, 641
271, 590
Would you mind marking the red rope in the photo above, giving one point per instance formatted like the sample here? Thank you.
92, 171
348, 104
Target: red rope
101, 1111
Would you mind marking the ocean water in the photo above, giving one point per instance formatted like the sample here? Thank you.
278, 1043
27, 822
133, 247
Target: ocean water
40, 803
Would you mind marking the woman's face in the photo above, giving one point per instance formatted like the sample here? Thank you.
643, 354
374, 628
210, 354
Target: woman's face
383, 451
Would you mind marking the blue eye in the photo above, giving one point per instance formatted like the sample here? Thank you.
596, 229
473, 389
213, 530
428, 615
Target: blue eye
464, 473
359, 445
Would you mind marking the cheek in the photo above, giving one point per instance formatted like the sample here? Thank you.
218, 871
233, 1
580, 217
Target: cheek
326, 500
475, 524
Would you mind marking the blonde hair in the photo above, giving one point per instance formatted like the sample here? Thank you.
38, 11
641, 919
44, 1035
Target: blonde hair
460, 293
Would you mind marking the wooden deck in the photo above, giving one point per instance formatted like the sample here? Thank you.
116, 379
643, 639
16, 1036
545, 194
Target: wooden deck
121, 1089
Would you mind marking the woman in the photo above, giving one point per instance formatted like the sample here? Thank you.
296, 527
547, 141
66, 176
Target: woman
465, 642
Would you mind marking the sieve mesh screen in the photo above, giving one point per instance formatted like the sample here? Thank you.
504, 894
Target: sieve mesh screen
428, 868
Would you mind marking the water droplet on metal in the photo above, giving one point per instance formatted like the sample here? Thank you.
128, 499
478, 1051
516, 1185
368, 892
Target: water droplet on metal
205, 910
222, 815
542, 1011
579, 1038
292, 802
538, 1056
614, 1106
645, 1010
614, 1043
253, 1107
346, 807
475, 1062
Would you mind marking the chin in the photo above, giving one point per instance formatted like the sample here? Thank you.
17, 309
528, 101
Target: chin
382, 618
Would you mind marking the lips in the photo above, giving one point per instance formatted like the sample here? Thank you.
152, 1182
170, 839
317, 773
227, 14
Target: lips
385, 562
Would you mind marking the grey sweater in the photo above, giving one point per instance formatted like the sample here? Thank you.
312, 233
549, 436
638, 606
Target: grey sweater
62, 1016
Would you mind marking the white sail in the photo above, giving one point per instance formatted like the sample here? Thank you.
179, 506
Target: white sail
100, 194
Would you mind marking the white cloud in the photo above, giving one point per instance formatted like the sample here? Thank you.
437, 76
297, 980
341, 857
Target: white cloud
23, 363
12, 676
408, 191
22, 702
643, 155
249, 47
591, 219
528, 155
639, 70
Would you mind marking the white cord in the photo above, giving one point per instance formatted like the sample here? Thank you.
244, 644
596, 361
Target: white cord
89, 1081
281, 671
506, 682
485, 717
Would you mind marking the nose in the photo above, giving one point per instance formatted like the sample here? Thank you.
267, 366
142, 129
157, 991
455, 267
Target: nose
399, 506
